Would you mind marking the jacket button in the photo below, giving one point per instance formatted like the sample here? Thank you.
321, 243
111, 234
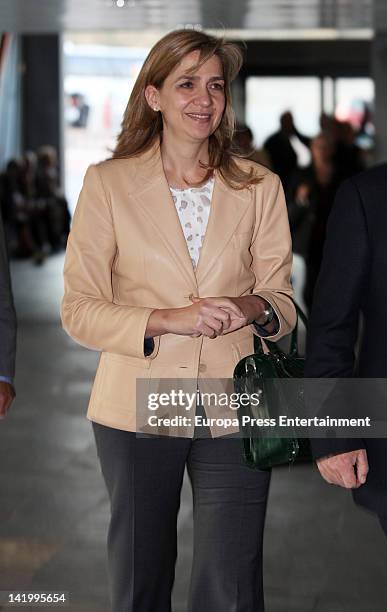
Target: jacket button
202, 367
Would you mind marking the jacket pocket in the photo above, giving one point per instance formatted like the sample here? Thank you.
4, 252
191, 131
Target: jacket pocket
136, 362
119, 383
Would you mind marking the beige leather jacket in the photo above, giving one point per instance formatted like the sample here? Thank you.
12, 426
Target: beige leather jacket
126, 255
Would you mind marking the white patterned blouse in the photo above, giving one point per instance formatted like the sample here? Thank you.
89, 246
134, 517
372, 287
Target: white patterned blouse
193, 207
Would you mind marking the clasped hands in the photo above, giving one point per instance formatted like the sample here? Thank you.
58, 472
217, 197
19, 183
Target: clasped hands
209, 316
216, 316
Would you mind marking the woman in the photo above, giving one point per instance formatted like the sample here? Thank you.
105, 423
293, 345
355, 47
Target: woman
137, 290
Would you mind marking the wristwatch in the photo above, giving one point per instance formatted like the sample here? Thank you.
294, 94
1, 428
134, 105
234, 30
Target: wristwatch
269, 313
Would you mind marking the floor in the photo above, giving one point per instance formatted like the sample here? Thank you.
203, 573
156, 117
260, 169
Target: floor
322, 554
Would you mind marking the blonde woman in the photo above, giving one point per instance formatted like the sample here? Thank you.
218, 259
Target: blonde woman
179, 253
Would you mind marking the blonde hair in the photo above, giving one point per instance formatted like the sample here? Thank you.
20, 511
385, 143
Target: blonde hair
141, 126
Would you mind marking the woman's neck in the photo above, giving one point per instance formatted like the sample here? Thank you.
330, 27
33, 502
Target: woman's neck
181, 160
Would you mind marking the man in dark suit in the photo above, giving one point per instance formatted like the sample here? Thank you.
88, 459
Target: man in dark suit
353, 283
7, 331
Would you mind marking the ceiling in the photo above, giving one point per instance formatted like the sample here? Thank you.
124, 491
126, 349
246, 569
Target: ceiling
258, 18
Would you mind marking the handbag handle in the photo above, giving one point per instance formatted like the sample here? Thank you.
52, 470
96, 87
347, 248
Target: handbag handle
294, 337
272, 346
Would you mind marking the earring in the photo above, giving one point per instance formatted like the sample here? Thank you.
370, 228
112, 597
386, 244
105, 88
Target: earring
155, 109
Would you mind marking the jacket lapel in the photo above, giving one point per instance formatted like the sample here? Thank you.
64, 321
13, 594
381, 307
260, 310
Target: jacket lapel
151, 190
227, 209
155, 199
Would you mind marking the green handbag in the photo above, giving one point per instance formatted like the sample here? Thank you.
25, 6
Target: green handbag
259, 374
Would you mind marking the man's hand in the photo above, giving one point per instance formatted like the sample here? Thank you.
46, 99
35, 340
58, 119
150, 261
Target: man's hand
7, 394
347, 470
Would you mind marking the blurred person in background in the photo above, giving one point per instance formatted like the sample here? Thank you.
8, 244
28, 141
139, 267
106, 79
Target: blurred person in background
328, 127
243, 141
51, 199
15, 210
77, 110
281, 148
35, 212
349, 157
310, 197
7, 331
301, 219
28, 174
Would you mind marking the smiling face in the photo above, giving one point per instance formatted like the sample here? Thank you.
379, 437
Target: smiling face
191, 103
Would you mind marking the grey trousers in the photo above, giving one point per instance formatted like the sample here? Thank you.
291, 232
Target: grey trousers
143, 476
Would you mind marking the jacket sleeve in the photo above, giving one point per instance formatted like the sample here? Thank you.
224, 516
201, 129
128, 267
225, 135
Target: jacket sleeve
271, 249
88, 312
334, 321
8, 324
333, 325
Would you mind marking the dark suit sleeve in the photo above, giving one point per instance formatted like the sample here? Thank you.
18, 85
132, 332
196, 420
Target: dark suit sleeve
7, 314
333, 326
